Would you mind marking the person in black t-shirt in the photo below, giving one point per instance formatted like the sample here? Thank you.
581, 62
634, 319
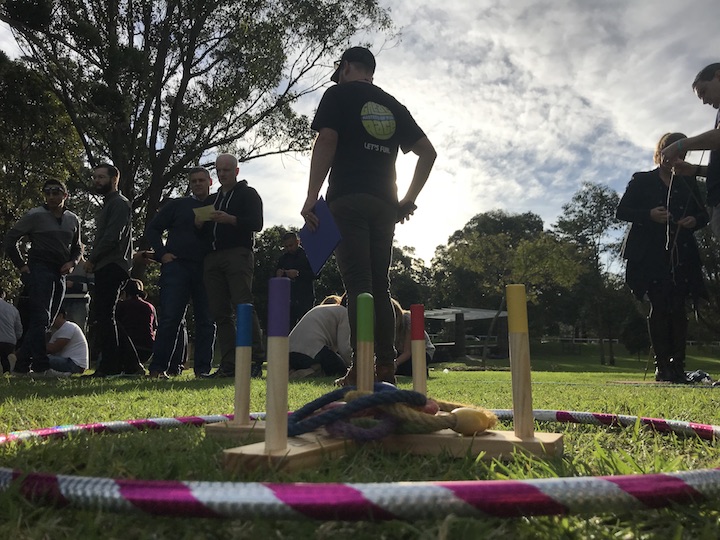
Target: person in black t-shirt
360, 129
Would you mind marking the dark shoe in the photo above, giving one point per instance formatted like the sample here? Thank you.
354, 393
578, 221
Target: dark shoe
256, 370
202, 375
385, 373
158, 375
349, 379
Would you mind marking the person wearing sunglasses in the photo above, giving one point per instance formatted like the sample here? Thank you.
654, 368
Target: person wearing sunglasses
53, 234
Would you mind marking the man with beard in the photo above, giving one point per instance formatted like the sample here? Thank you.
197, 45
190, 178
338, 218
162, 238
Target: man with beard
110, 261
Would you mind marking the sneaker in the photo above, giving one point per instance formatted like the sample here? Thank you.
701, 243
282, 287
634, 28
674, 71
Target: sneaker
202, 375
385, 373
221, 374
97, 374
256, 370
161, 375
50, 373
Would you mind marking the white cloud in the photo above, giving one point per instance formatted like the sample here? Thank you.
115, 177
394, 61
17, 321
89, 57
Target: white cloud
524, 101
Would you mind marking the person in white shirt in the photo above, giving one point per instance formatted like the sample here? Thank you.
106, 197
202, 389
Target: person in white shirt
10, 331
321, 341
67, 349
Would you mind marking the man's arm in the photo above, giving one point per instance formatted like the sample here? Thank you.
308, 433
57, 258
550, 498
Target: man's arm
426, 158
54, 347
322, 158
710, 140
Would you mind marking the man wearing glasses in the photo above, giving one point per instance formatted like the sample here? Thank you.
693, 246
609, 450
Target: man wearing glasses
53, 233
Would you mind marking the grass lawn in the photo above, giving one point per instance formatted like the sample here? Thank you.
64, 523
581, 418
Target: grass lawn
562, 380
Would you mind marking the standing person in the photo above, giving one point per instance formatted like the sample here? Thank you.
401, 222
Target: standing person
294, 264
67, 348
360, 129
181, 278
55, 249
662, 257
228, 267
10, 331
707, 88
110, 261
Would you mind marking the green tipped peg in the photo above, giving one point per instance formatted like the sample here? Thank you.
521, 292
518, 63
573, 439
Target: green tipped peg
365, 318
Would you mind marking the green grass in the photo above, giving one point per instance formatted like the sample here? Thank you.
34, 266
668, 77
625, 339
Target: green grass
560, 381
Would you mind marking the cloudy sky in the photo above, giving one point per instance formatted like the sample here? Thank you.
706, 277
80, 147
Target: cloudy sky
524, 101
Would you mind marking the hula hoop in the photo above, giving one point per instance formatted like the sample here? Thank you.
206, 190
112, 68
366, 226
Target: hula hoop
371, 501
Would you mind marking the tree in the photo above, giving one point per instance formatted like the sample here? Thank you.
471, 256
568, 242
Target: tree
157, 86
588, 221
38, 142
497, 249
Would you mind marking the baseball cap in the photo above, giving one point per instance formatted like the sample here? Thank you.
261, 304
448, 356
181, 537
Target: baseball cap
354, 54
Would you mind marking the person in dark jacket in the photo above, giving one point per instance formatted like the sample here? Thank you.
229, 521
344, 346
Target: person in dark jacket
294, 264
181, 256
663, 261
228, 267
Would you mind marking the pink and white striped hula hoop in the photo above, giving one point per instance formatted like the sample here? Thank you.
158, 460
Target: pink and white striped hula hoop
371, 501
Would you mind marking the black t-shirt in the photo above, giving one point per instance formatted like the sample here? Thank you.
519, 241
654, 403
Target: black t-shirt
371, 125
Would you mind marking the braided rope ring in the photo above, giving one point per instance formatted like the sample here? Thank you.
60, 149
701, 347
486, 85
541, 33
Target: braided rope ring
372, 501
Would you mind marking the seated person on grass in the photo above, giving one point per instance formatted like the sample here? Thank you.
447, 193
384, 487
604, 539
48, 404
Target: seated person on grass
67, 349
320, 341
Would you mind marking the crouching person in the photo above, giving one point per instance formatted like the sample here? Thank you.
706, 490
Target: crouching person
67, 349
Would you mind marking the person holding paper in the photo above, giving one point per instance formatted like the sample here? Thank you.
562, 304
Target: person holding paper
360, 129
294, 264
181, 256
228, 267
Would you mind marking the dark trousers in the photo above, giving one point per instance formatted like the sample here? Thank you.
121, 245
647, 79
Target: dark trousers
330, 362
46, 288
180, 282
667, 325
109, 281
367, 226
228, 276
5, 350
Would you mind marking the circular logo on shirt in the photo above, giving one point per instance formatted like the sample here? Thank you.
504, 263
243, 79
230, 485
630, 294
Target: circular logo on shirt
378, 120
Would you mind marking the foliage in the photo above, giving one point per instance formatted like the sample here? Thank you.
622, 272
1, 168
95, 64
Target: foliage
38, 143
589, 219
588, 222
159, 86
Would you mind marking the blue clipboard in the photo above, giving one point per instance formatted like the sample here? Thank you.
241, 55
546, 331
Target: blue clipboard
320, 244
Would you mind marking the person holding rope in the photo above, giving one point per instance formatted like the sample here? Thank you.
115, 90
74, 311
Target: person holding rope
663, 261
707, 88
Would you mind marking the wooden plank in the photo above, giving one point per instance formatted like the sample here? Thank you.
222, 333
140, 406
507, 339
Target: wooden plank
302, 452
491, 444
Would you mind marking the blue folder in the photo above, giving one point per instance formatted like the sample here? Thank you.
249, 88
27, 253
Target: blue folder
320, 244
